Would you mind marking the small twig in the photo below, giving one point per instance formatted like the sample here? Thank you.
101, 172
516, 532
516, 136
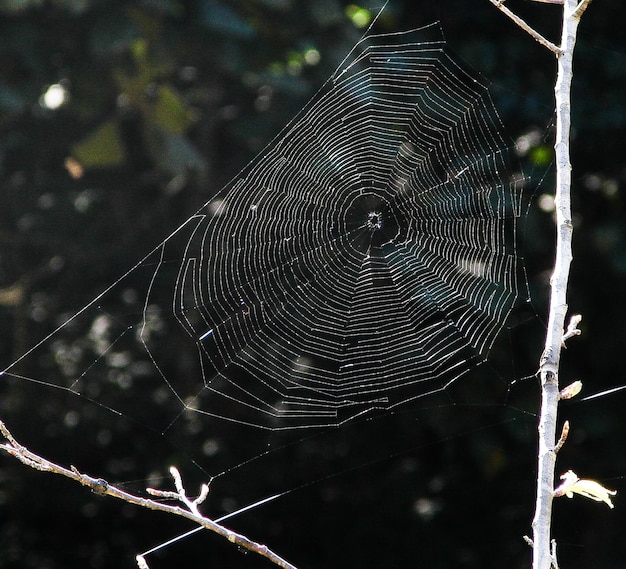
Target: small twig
553, 562
572, 328
550, 1
102, 487
582, 6
528, 29
180, 493
563, 437
553, 554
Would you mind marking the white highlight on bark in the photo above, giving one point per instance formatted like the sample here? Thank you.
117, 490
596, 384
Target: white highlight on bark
543, 557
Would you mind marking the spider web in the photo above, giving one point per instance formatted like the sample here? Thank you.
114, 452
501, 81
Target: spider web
365, 259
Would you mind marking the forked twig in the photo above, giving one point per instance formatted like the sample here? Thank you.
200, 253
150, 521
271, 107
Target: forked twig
102, 487
180, 494
553, 560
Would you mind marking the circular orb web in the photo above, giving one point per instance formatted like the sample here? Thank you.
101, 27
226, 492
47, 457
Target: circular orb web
366, 258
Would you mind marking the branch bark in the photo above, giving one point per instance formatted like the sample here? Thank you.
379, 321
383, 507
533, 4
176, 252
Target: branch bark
550, 359
543, 554
102, 487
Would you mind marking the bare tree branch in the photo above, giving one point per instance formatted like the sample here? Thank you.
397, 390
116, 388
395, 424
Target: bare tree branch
582, 6
544, 549
528, 29
102, 487
550, 359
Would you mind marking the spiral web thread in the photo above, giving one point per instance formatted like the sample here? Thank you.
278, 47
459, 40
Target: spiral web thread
366, 258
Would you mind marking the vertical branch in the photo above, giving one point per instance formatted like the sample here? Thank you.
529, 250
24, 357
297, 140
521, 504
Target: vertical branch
543, 553
549, 364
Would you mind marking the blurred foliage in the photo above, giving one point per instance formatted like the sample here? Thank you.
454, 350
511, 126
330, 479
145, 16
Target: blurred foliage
158, 104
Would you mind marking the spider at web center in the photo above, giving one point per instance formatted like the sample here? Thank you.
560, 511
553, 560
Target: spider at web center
375, 220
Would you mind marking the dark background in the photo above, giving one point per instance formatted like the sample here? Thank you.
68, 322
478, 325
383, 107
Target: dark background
169, 100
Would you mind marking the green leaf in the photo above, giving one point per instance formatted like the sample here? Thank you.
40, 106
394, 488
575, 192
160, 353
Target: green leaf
170, 111
103, 148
